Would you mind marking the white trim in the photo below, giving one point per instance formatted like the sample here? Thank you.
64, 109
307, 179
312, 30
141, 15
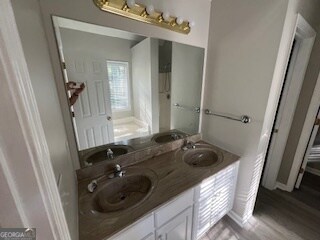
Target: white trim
305, 33
307, 154
236, 218
203, 87
15, 74
11, 184
313, 171
283, 187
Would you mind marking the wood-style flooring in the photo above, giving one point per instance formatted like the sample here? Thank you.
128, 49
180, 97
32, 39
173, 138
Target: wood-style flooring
278, 215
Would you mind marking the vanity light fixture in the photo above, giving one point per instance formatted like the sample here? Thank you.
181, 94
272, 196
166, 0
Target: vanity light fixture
131, 3
166, 16
192, 24
150, 9
179, 20
139, 12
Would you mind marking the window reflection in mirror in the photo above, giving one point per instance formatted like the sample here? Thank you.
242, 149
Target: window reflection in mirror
135, 86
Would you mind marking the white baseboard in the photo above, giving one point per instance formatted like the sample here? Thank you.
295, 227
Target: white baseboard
313, 171
283, 187
236, 218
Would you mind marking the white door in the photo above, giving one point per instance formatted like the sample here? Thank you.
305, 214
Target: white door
304, 36
294, 78
308, 150
145, 74
178, 228
92, 111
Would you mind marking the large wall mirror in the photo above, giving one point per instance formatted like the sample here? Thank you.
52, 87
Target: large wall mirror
123, 86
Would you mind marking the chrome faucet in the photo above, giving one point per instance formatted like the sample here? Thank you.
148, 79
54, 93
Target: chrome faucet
175, 136
188, 145
92, 186
110, 154
118, 172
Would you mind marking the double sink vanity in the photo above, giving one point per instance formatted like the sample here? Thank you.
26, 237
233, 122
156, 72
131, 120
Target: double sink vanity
174, 189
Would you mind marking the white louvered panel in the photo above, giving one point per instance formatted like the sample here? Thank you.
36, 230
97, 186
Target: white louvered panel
205, 189
203, 216
214, 198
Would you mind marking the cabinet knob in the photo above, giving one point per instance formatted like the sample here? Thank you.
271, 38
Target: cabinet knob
109, 118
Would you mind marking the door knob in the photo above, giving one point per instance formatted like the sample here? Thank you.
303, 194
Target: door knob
109, 118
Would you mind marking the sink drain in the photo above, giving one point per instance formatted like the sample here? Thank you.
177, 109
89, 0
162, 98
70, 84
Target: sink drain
123, 197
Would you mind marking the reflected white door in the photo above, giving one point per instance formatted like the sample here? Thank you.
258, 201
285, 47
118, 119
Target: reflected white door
92, 111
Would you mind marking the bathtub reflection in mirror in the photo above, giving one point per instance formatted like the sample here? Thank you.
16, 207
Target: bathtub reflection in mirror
123, 86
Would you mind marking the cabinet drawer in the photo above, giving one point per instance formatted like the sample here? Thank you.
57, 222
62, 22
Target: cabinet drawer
141, 230
173, 208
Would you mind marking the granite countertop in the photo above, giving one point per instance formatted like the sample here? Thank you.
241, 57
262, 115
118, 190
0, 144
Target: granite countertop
173, 177
133, 144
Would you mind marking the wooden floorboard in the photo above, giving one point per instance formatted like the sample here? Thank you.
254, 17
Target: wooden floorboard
278, 215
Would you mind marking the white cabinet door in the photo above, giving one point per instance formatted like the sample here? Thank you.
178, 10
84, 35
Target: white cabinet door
143, 230
179, 228
214, 199
174, 208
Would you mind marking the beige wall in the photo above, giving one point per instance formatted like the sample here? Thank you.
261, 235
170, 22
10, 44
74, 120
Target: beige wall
310, 11
28, 18
242, 51
86, 11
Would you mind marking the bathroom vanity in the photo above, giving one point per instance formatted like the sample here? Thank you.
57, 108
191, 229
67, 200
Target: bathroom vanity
135, 105
176, 193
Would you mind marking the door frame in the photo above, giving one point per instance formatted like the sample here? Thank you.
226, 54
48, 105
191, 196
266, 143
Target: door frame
313, 135
306, 34
48, 214
305, 135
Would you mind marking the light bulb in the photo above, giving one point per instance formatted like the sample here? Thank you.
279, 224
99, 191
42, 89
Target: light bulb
150, 9
166, 16
131, 3
179, 20
192, 24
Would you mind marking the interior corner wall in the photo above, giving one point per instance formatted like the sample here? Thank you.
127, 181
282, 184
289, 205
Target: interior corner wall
186, 85
243, 46
310, 11
28, 18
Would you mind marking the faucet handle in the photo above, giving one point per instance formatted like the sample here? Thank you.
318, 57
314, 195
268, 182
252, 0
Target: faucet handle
118, 168
92, 186
109, 153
